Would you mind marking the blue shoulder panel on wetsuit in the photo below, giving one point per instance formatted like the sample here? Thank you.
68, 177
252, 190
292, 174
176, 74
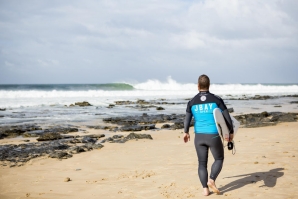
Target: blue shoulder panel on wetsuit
203, 116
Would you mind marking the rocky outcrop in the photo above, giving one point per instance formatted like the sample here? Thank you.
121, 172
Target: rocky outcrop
122, 139
265, 119
49, 136
63, 148
16, 155
165, 126
83, 103
32, 130
138, 123
143, 119
14, 131
137, 127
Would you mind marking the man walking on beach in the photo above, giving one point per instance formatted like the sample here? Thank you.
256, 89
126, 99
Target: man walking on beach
206, 135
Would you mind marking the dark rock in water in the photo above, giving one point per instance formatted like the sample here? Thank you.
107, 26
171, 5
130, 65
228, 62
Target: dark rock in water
165, 126
49, 136
290, 96
1, 115
159, 108
142, 107
111, 106
258, 97
83, 103
142, 102
277, 106
123, 102
60, 155
231, 110
138, 136
294, 102
2, 109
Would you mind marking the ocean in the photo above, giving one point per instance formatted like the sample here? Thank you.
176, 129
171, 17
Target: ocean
49, 103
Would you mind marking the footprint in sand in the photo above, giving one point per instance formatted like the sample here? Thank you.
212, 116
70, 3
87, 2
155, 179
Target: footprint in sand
137, 174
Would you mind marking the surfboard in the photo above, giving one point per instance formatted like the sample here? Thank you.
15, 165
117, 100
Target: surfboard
222, 126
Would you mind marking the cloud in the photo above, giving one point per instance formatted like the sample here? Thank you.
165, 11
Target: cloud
119, 40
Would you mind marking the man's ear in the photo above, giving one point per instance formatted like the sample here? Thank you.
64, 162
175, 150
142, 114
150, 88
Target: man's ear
198, 86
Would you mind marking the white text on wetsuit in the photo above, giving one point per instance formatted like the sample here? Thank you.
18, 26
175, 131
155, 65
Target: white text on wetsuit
204, 108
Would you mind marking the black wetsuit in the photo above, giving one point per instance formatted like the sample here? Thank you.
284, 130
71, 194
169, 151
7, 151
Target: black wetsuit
206, 135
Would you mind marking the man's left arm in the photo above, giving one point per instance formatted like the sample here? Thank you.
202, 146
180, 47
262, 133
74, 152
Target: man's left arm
227, 116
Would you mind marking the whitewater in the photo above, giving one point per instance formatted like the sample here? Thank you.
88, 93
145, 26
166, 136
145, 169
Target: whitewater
103, 94
49, 104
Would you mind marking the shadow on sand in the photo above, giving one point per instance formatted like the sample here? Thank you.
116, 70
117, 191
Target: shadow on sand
269, 178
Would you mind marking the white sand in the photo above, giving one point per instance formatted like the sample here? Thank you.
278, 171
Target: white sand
266, 163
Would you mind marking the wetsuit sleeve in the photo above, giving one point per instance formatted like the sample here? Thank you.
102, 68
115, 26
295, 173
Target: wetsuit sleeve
187, 121
188, 118
226, 115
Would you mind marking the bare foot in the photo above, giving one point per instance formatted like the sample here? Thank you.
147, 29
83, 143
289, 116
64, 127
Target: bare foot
205, 192
212, 186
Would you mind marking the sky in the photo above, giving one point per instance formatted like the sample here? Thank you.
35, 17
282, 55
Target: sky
103, 41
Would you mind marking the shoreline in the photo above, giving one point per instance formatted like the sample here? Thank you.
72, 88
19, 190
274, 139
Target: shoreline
90, 114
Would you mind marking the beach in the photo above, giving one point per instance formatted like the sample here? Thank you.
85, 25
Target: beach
67, 141
264, 166
97, 98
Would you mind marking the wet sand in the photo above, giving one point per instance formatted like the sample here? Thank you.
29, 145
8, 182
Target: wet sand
264, 166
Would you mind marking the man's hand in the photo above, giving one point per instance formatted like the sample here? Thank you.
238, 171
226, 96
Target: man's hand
231, 137
186, 137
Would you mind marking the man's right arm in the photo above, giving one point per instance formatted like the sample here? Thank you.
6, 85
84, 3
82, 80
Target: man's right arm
187, 121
